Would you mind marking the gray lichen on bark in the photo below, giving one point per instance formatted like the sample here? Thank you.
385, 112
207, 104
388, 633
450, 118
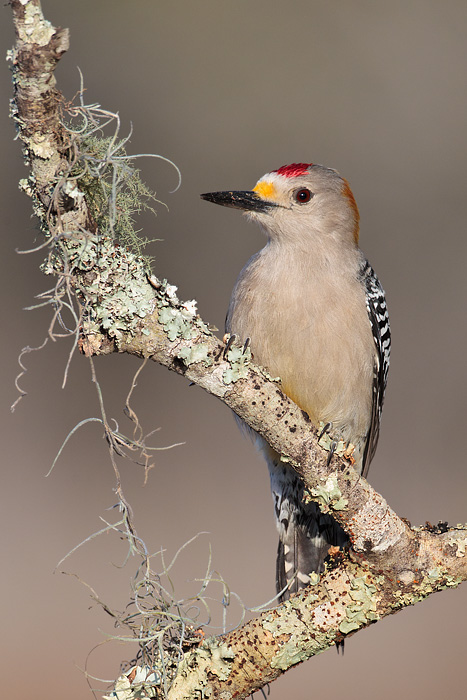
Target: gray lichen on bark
125, 308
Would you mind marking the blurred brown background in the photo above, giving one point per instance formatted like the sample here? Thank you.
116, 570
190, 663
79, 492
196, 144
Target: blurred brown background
230, 90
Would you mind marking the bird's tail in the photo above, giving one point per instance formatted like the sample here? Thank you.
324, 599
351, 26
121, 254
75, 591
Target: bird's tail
305, 534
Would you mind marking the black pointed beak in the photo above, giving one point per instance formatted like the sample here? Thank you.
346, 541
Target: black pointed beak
248, 201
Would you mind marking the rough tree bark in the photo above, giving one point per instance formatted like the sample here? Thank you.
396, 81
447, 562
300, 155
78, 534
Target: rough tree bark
390, 566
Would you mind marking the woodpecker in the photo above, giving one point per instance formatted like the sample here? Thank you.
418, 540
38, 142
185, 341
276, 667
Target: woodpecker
315, 315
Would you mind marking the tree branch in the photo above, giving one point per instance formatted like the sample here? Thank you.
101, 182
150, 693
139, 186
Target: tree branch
124, 308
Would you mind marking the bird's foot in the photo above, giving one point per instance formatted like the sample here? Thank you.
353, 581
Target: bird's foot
328, 443
231, 339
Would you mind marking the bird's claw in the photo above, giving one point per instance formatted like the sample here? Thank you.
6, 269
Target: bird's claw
327, 427
231, 340
332, 449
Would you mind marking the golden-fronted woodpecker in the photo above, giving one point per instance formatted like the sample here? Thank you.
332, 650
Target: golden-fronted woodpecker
315, 315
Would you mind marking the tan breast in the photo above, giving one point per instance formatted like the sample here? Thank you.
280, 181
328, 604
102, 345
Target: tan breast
309, 325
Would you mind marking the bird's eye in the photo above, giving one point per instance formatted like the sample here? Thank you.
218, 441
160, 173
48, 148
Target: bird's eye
303, 195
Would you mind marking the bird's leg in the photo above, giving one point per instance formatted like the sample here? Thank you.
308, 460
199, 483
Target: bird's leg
246, 345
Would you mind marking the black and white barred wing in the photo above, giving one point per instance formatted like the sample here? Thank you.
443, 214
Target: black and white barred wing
379, 319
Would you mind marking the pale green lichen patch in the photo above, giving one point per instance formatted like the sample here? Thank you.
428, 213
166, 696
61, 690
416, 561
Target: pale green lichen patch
435, 573
238, 359
363, 609
176, 323
452, 581
115, 293
179, 319
314, 578
211, 657
435, 579
403, 599
458, 540
304, 639
268, 376
197, 353
429, 582
328, 494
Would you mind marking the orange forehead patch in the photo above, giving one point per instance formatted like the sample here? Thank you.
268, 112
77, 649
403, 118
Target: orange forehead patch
265, 189
348, 194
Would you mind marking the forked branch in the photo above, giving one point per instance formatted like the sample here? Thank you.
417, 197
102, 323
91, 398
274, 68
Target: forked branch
123, 307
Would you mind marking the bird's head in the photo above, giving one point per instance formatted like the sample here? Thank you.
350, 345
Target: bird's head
297, 202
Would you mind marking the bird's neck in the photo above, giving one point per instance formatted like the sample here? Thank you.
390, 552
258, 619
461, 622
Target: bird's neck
310, 254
